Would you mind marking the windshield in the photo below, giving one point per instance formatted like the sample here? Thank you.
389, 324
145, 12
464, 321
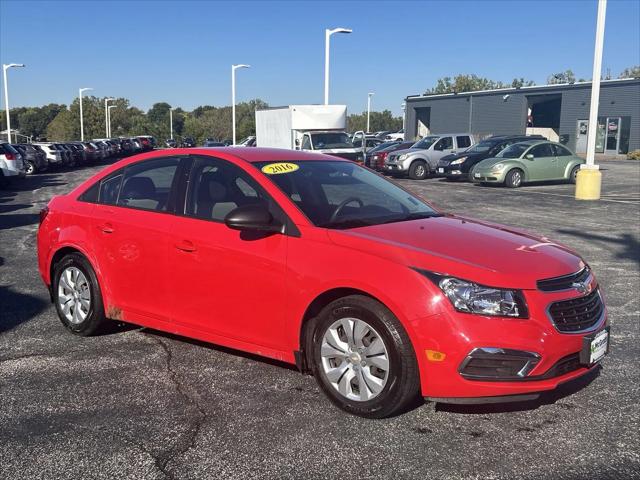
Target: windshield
425, 143
383, 146
338, 194
481, 147
331, 140
514, 151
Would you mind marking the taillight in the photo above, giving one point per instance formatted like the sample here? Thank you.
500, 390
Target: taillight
43, 214
383, 155
10, 156
145, 141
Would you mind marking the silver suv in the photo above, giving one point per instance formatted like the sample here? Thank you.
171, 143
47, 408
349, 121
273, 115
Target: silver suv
422, 158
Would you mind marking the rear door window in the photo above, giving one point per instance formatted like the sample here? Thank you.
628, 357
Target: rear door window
463, 141
147, 185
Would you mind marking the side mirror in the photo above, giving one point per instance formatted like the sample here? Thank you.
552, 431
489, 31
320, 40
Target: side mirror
256, 218
529, 156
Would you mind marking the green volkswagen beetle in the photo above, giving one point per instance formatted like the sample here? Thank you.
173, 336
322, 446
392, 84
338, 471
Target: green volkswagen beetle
530, 161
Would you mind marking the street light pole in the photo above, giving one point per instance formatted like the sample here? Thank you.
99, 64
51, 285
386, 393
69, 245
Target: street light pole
109, 115
369, 95
106, 116
233, 98
327, 41
404, 107
80, 90
6, 67
170, 123
589, 177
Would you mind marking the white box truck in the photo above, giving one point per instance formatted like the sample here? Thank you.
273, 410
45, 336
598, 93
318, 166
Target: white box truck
318, 128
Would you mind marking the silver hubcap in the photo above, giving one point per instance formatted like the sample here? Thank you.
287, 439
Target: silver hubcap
74, 296
420, 170
516, 178
354, 359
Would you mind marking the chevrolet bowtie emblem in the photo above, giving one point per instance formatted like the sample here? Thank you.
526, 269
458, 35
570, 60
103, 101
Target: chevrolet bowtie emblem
581, 287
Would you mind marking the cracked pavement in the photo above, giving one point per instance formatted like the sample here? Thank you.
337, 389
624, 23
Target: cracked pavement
140, 404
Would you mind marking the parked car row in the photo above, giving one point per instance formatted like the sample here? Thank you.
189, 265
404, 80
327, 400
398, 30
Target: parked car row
508, 160
20, 159
189, 142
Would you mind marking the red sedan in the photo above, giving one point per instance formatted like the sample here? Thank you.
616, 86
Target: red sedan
317, 261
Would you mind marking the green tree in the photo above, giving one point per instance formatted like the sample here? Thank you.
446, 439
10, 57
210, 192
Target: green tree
630, 72
521, 82
562, 77
378, 121
62, 128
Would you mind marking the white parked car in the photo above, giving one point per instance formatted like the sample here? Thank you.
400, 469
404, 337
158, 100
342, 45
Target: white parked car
395, 137
11, 164
54, 156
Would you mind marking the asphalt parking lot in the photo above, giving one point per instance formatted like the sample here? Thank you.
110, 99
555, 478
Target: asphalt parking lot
140, 404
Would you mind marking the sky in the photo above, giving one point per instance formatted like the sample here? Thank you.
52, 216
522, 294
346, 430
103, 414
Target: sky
181, 52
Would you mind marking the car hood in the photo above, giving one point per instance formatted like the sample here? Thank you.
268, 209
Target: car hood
455, 156
486, 253
407, 150
488, 162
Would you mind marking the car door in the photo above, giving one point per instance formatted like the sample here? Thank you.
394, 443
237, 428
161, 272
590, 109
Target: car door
544, 163
442, 147
131, 225
563, 158
227, 282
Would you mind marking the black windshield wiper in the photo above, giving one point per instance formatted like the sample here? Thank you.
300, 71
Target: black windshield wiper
346, 223
414, 216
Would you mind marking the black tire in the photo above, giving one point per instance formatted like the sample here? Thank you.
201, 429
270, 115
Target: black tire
3, 180
574, 173
95, 318
514, 178
418, 170
30, 168
402, 382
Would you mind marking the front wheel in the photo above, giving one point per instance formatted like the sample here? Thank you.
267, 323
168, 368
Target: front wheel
514, 178
418, 170
76, 295
363, 359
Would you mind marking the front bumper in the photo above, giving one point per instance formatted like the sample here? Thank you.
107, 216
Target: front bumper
394, 168
487, 176
459, 334
451, 171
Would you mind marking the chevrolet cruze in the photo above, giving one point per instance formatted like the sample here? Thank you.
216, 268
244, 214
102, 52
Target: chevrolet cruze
319, 262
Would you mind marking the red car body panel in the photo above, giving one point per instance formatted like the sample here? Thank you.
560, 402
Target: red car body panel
200, 279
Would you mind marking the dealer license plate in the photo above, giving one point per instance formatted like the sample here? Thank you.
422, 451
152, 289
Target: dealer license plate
594, 347
477, 175
441, 170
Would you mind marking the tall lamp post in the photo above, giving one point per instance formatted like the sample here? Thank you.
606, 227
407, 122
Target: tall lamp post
171, 109
369, 95
80, 90
233, 98
589, 177
327, 35
106, 116
6, 67
109, 117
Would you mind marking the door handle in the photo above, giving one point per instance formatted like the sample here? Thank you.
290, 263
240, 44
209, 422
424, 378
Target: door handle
186, 246
106, 228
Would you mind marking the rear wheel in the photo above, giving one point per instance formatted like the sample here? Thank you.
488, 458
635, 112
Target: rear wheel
418, 170
514, 178
76, 295
362, 358
30, 168
574, 174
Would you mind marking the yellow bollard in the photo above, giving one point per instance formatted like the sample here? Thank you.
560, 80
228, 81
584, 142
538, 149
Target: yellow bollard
588, 183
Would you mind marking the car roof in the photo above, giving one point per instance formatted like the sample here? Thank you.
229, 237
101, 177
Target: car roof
261, 154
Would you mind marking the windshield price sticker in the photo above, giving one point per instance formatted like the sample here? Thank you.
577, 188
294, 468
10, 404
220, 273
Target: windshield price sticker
279, 168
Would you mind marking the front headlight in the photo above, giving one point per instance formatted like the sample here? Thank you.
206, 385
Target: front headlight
498, 167
470, 297
458, 161
402, 157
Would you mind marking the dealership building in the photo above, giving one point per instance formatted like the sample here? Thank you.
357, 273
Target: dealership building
559, 112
